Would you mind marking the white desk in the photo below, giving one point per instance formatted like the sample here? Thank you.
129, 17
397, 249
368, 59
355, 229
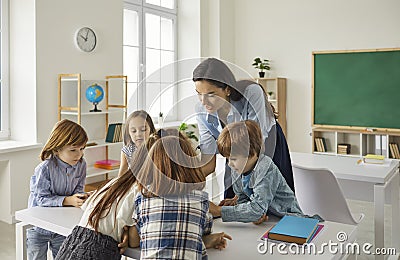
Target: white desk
62, 220
381, 176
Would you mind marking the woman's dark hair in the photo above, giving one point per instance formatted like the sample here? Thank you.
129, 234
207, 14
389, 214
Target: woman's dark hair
219, 75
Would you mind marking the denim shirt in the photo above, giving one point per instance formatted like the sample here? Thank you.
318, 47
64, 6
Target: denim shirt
252, 106
54, 180
270, 193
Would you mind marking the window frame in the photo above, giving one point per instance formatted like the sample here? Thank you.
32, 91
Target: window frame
4, 80
143, 8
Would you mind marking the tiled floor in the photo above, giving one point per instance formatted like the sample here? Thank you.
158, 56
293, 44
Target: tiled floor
365, 232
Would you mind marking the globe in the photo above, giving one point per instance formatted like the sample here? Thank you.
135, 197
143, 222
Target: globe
95, 94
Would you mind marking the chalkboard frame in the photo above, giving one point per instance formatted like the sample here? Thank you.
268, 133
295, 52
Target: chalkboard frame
360, 128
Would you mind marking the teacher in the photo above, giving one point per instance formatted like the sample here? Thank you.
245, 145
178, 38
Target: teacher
224, 100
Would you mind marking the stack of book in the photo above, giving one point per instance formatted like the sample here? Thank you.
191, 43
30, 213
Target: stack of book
107, 164
320, 144
394, 150
374, 159
343, 148
114, 133
293, 229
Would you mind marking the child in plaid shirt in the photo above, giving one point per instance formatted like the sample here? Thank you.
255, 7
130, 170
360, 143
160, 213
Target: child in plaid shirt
172, 210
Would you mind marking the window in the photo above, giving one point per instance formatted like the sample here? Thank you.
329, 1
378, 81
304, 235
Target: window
149, 54
4, 97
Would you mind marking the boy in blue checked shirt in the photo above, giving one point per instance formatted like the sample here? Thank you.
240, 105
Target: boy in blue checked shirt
257, 182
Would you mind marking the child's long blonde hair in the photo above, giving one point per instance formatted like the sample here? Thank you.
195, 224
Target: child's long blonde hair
121, 185
139, 113
170, 169
65, 132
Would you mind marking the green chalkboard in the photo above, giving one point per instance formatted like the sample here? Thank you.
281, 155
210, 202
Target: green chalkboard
357, 89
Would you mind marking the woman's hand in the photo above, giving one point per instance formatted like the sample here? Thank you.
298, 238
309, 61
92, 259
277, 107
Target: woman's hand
215, 210
229, 202
216, 240
75, 200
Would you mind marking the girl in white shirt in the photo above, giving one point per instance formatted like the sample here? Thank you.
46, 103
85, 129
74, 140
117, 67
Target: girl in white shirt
106, 214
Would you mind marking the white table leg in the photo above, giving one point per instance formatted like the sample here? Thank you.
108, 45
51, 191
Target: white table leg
20, 236
395, 199
379, 205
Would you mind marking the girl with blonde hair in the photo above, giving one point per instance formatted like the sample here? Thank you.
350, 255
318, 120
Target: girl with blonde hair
138, 127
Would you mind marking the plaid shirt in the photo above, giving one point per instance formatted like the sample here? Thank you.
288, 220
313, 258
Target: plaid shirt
172, 228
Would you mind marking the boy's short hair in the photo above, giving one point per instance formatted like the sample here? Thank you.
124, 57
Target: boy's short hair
242, 138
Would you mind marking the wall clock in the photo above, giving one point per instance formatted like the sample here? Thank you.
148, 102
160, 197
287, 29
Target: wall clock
85, 39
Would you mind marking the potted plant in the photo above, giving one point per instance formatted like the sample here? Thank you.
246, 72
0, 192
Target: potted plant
189, 133
262, 65
271, 94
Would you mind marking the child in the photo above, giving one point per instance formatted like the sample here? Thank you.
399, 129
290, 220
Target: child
138, 128
58, 181
257, 182
172, 208
106, 215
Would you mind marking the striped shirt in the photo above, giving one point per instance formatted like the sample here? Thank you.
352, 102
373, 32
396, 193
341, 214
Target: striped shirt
172, 228
54, 180
128, 150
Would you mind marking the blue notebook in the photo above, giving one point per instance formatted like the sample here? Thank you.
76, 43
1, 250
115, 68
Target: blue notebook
294, 229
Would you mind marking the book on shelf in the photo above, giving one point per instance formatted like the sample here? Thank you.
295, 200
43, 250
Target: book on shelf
324, 144
374, 159
294, 229
344, 148
107, 164
320, 144
394, 150
114, 133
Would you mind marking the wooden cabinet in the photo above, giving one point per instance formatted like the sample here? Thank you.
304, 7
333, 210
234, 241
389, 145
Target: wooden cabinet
276, 86
73, 105
361, 142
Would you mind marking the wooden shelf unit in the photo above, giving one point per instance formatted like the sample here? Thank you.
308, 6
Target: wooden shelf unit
278, 87
362, 140
71, 86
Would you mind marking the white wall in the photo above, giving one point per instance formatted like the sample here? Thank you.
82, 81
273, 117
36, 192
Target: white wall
237, 30
288, 31
42, 46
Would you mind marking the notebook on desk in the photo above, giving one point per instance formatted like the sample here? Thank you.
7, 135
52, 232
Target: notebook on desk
293, 229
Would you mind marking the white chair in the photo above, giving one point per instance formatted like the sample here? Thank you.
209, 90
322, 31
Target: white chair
318, 192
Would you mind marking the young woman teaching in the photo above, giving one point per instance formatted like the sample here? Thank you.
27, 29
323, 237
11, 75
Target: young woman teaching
224, 100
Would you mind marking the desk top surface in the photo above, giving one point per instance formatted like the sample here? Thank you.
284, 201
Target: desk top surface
346, 167
245, 235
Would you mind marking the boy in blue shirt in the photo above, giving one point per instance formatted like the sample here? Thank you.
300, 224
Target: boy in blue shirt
257, 182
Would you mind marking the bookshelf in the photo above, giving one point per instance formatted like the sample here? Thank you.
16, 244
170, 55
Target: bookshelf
278, 100
73, 105
362, 142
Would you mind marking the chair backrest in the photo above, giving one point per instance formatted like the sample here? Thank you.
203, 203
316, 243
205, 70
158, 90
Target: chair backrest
318, 192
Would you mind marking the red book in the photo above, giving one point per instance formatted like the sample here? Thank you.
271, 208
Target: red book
107, 164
